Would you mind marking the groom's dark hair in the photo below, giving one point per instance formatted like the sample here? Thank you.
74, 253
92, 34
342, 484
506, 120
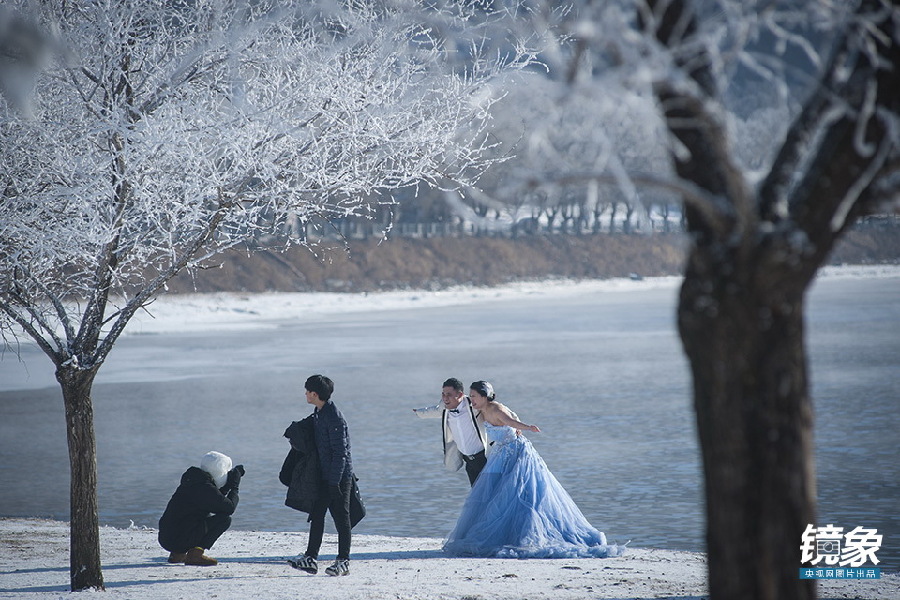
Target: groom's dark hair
454, 383
320, 385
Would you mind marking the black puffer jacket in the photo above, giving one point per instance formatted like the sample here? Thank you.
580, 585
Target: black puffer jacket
300, 471
333, 443
196, 497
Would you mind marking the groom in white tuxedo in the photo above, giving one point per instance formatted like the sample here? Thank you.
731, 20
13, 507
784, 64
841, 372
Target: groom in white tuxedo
465, 442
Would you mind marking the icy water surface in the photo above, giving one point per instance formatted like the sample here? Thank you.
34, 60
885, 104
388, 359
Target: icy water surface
601, 373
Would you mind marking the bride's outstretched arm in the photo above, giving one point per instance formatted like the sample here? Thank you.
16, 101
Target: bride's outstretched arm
507, 419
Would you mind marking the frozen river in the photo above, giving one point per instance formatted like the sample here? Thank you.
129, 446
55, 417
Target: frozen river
598, 368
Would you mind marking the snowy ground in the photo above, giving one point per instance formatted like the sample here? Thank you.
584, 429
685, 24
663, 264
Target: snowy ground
34, 566
234, 310
193, 312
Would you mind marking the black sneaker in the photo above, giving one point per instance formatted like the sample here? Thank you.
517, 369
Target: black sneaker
341, 566
305, 563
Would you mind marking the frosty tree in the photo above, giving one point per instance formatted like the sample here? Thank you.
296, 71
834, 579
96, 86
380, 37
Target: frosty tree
543, 129
160, 134
760, 226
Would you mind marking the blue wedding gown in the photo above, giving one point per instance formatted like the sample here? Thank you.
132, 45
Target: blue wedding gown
517, 509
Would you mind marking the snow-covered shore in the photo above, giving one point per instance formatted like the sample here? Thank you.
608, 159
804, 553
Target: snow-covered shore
34, 565
180, 313
229, 310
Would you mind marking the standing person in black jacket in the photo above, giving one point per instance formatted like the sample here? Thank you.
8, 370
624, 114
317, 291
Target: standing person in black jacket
336, 469
200, 510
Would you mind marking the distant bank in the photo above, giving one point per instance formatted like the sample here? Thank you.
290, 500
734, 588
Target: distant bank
437, 263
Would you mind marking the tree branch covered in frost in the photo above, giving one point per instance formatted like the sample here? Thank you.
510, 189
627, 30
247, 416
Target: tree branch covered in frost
165, 132
717, 70
547, 132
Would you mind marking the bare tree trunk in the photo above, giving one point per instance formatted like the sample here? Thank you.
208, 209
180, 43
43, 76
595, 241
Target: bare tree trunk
551, 218
84, 538
744, 339
598, 225
629, 213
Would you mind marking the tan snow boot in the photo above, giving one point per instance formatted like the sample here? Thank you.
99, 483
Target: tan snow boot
196, 557
177, 557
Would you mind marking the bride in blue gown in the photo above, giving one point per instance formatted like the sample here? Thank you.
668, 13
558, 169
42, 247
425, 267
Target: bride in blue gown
517, 508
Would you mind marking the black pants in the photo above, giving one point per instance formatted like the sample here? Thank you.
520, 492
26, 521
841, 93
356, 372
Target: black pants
474, 465
204, 534
339, 506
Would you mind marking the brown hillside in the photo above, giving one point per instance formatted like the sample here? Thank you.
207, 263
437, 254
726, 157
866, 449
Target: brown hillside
441, 262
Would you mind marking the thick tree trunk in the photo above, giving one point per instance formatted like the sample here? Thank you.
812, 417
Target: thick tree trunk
744, 339
84, 538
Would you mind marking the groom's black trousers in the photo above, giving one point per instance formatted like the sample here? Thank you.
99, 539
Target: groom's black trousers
474, 465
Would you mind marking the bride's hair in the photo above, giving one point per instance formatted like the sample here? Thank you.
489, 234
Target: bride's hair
484, 388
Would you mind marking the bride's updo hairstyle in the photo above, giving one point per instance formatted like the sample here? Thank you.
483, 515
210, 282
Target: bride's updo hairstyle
484, 388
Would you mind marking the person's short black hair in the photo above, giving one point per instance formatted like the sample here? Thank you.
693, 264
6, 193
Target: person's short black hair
321, 385
454, 383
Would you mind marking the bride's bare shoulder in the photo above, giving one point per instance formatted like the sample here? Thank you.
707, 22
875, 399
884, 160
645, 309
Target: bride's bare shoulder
502, 408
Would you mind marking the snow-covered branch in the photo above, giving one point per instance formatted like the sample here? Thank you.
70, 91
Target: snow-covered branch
163, 133
725, 70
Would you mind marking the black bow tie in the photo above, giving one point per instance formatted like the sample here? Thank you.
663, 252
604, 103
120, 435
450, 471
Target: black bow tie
454, 410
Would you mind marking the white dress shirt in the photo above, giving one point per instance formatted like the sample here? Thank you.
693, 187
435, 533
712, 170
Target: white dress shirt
463, 428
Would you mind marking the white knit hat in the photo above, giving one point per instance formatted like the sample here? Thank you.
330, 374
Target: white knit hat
217, 465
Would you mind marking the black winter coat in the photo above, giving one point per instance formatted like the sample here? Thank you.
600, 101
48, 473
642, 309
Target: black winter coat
195, 498
333, 443
300, 471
